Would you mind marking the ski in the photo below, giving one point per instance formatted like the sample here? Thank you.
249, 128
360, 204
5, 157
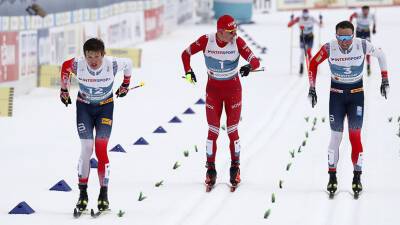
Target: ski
98, 213
78, 213
234, 187
331, 194
356, 195
209, 187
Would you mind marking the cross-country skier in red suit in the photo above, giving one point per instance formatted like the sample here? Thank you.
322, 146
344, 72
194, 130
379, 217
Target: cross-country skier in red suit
222, 51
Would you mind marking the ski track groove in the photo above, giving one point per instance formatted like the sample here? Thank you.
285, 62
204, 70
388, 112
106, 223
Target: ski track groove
276, 108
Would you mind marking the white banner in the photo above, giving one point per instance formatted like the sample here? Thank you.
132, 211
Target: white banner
28, 54
313, 4
170, 15
185, 11
122, 30
65, 42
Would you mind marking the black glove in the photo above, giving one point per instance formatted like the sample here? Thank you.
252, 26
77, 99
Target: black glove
64, 96
245, 70
291, 17
122, 90
190, 77
384, 87
312, 95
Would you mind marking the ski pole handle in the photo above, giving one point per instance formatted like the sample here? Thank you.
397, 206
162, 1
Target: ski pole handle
141, 84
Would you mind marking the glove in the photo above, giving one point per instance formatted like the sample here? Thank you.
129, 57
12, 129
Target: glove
245, 70
291, 17
64, 97
384, 87
190, 77
122, 90
312, 95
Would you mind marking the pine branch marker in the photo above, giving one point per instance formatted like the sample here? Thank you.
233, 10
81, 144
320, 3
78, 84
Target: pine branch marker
176, 165
273, 198
267, 213
280, 184
288, 166
141, 197
120, 213
158, 184
186, 153
292, 153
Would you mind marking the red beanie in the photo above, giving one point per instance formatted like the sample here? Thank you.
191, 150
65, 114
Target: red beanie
226, 22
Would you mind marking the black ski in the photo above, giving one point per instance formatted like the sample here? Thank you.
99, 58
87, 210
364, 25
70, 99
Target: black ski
78, 213
356, 195
98, 213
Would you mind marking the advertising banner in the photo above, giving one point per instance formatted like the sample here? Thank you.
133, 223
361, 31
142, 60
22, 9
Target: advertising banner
153, 22
44, 51
6, 101
28, 56
185, 11
170, 15
120, 31
8, 56
135, 54
65, 42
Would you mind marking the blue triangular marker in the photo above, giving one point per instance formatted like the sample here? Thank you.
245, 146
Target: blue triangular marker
200, 102
93, 163
22, 208
175, 120
117, 148
160, 129
61, 186
141, 141
188, 111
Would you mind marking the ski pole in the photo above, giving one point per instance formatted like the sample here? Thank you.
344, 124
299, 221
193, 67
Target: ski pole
319, 30
141, 84
258, 70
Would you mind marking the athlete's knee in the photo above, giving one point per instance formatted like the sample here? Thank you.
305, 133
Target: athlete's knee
86, 149
355, 138
213, 132
101, 150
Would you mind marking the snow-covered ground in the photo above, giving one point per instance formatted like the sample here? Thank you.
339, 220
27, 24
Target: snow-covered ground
40, 145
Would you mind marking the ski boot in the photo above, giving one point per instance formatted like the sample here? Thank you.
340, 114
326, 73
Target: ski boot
301, 69
332, 184
368, 69
83, 198
211, 176
357, 186
234, 175
102, 202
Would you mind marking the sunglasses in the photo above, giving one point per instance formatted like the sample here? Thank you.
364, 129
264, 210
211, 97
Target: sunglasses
344, 37
233, 31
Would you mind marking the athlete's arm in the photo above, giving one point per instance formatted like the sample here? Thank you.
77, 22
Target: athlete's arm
293, 22
195, 47
67, 69
315, 61
378, 53
354, 15
125, 64
247, 54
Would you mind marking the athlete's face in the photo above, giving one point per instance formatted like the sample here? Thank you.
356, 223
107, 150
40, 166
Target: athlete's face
365, 12
94, 59
344, 37
226, 35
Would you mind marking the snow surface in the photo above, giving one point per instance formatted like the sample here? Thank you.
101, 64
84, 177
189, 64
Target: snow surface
40, 145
